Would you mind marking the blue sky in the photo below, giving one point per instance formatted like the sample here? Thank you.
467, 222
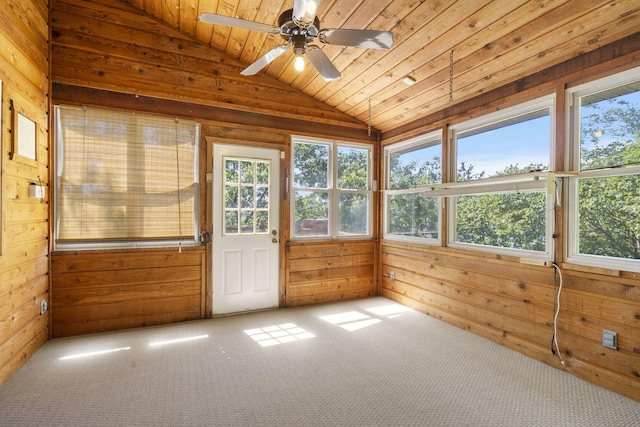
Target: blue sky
522, 143
492, 151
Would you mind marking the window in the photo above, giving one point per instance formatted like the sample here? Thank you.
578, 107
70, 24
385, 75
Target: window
331, 189
246, 196
513, 220
124, 179
501, 146
604, 197
410, 213
500, 197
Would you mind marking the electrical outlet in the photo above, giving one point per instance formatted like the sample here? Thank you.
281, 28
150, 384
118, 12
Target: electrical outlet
43, 306
610, 339
392, 275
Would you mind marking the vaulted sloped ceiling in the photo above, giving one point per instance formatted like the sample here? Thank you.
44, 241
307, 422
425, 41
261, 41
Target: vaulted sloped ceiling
489, 42
454, 49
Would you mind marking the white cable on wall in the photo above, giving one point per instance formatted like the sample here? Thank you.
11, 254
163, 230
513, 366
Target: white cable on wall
555, 316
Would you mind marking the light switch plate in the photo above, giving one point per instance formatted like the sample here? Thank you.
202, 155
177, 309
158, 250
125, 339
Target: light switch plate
36, 191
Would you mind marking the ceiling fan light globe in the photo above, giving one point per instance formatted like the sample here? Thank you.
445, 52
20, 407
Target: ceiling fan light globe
299, 63
312, 9
304, 11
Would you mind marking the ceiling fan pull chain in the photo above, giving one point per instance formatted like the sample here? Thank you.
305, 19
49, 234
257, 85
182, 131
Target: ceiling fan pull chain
369, 123
451, 76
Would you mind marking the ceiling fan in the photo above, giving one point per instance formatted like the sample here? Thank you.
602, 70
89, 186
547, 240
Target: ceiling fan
299, 27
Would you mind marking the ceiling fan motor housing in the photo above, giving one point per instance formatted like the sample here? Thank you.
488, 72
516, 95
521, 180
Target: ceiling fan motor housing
289, 28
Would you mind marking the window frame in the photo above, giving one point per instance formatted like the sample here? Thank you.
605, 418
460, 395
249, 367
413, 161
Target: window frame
532, 181
107, 244
573, 96
334, 193
422, 141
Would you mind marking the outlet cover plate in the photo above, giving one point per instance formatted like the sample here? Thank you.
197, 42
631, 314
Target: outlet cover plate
610, 339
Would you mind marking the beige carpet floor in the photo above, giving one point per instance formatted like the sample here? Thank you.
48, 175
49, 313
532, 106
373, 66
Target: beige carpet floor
367, 362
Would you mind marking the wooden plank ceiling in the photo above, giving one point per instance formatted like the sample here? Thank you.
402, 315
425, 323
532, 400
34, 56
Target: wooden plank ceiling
454, 49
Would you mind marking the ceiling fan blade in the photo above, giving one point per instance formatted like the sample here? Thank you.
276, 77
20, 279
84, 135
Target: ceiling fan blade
264, 60
227, 21
304, 11
371, 39
322, 63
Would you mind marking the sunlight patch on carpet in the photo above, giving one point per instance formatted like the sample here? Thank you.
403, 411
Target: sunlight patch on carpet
94, 353
178, 340
350, 320
278, 334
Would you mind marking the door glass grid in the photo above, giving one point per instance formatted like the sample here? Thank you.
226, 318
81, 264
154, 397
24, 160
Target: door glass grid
246, 196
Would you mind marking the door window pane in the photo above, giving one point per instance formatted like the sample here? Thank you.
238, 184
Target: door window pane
247, 219
262, 221
247, 169
262, 171
232, 170
231, 222
231, 197
262, 197
246, 196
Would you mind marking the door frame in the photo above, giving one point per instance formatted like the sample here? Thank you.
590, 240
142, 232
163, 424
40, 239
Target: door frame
285, 152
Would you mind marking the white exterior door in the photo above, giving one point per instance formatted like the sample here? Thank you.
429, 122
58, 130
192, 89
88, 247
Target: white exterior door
246, 183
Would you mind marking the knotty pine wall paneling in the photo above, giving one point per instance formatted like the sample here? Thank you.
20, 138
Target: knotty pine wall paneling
513, 304
97, 291
24, 264
329, 271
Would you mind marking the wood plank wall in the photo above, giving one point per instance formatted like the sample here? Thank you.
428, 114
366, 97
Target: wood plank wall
109, 290
24, 265
329, 271
513, 304
107, 54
